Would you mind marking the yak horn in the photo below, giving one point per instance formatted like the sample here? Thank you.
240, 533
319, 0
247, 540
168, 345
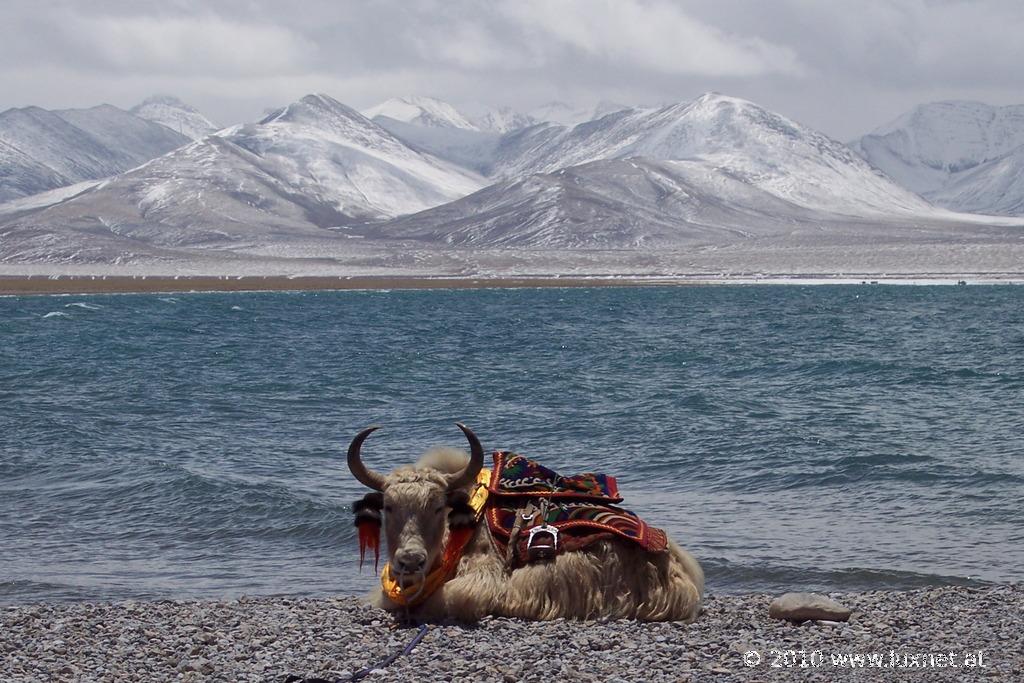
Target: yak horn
366, 476
476, 461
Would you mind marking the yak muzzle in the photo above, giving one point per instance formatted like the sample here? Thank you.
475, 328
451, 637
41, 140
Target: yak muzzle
409, 561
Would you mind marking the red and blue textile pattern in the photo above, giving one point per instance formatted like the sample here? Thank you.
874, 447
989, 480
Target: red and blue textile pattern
514, 475
581, 507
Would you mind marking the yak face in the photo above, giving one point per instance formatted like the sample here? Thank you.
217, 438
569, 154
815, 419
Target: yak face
414, 520
415, 504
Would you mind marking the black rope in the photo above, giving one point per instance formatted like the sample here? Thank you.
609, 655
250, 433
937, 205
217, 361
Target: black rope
363, 673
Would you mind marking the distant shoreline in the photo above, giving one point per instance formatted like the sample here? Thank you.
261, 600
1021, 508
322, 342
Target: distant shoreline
123, 284
23, 285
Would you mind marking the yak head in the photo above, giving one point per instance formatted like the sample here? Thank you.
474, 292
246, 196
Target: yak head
418, 502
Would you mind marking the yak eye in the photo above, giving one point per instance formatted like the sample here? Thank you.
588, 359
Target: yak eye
387, 509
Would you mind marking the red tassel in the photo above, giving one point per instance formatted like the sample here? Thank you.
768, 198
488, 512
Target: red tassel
369, 537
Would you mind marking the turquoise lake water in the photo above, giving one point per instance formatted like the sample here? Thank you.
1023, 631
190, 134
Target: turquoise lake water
828, 437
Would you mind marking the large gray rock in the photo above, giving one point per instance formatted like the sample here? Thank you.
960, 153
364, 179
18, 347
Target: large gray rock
807, 606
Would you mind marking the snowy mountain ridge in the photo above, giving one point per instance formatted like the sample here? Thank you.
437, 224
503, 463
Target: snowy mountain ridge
429, 112
562, 114
421, 111
132, 140
172, 113
41, 150
503, 120
728, 134
939, 150
954, 135
324, 147
301, 172
994, 187
320, 182
606, 204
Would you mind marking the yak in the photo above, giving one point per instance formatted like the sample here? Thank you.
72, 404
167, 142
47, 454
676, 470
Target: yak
610, 579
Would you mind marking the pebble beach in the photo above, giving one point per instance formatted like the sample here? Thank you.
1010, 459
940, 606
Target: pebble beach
946, 633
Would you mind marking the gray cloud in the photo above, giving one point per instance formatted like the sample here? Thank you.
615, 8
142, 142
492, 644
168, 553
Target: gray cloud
844, 67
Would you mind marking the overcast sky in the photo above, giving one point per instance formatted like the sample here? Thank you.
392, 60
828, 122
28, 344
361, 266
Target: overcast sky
842, 67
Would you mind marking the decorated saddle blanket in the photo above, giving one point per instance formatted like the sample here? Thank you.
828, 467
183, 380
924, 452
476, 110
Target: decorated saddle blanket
515, 475
525, 495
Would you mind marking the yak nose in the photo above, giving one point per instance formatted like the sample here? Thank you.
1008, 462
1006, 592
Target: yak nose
410, 561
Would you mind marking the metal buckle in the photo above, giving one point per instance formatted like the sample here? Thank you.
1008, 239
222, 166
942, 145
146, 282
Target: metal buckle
540, 548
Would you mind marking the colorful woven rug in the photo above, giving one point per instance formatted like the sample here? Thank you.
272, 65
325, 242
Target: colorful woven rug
515, 475
581, 508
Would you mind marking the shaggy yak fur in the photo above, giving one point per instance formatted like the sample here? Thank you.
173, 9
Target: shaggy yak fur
610, 579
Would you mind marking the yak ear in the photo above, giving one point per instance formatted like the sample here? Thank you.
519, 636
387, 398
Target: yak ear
457, 497
461, 515
367, 508
368, 522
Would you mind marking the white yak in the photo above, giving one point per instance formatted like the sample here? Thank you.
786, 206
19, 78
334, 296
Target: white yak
610, 579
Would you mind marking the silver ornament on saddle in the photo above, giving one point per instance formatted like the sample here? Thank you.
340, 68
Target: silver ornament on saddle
542, 542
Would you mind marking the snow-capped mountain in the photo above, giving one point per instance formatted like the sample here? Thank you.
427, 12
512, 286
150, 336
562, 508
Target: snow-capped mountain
172, 113
22, 176
439, 129
936, 146
995, 187
705, 172
730, 136
41, 150
421, 111
429, 112
563, 114
472, 150
503, 120
328, 150
209, 194
312, 165
718, 182
606, 204
134, 140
